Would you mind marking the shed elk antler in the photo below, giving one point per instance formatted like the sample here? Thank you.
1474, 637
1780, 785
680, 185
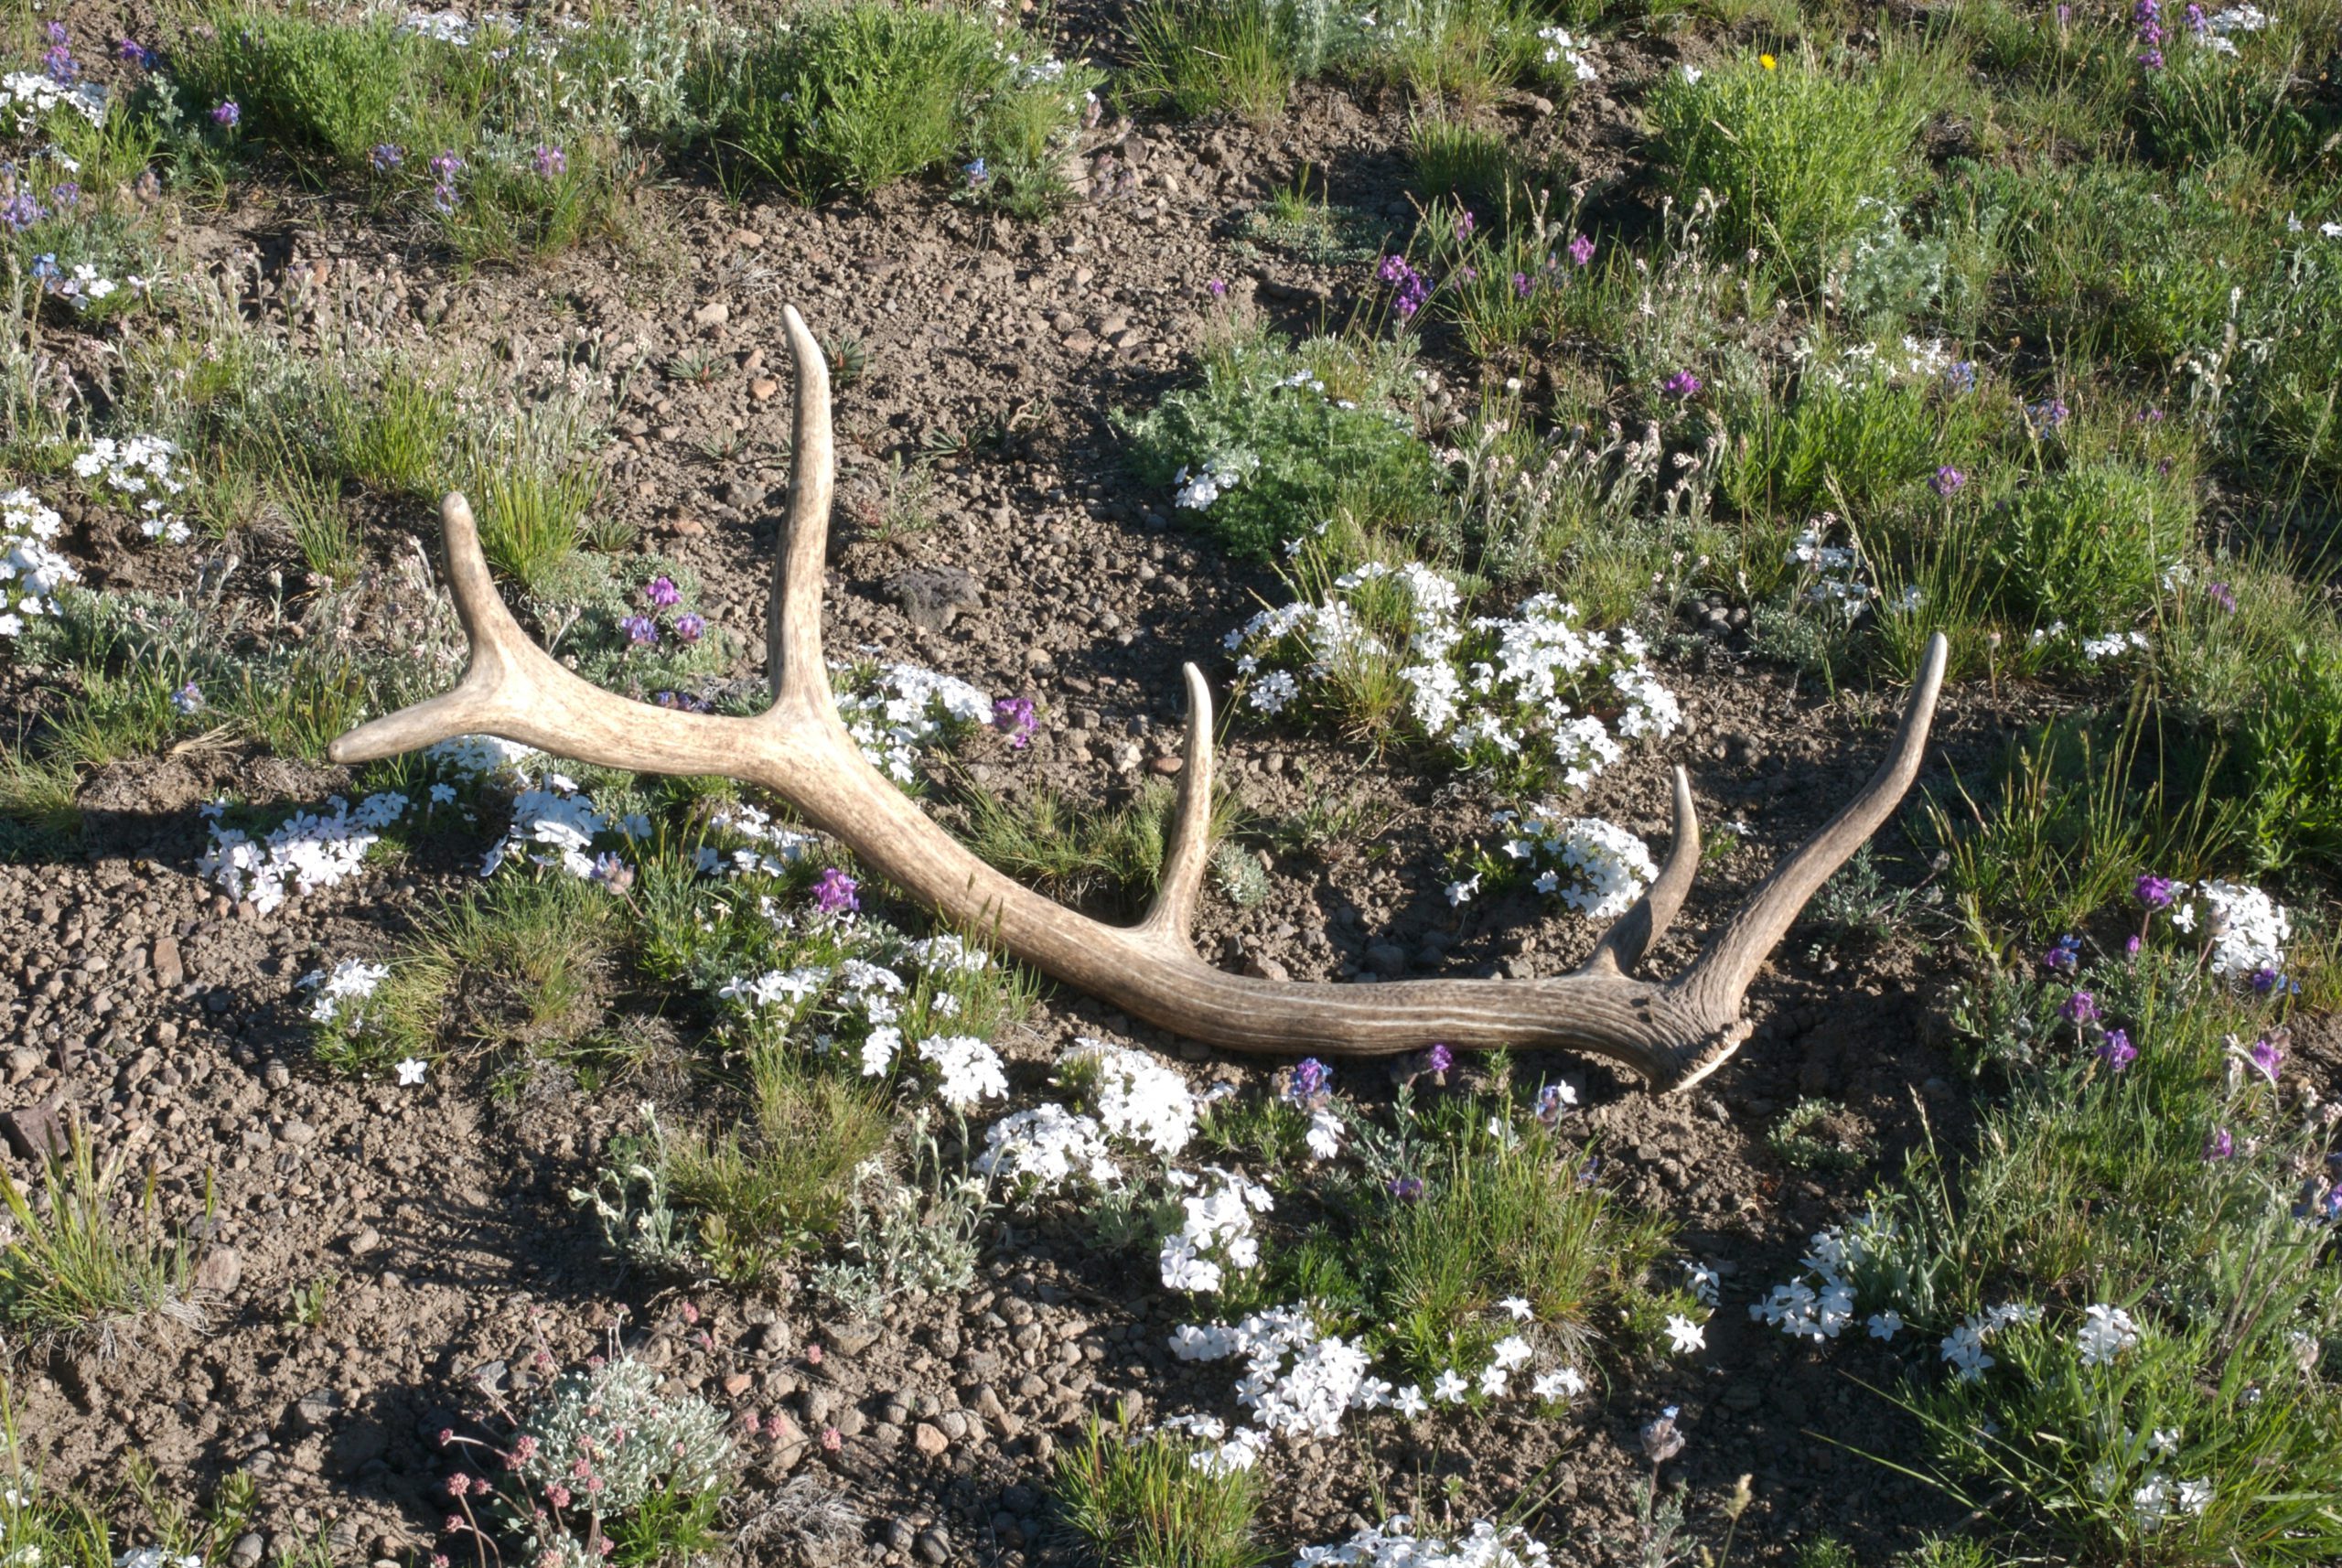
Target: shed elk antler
1674, 1033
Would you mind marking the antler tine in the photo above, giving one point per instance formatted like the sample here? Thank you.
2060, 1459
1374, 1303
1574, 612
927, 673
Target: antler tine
1721, 976
1630, 936
798, 672
1173, 915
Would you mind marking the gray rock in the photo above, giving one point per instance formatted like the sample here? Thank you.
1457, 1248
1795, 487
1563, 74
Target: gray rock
220, 1270
934, 1546
1387, 959
246, 1552
933, 597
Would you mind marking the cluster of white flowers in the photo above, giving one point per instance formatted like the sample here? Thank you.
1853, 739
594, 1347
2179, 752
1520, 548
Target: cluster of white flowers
2158, 1500
1394, 1544
901, 708
1299, 1383
453, 26
1596, 867
1216, 1234
790, 845
969, 1070
2106, 1332
564, 821
476, 756
348, 983
1964, 1346
1858, 364
27, 98
137, 1557
1821, 1306
1133, 1096
30, 566
1831, 573
946, 954
1501, 692
2114, 645
2247, 928
308, 851
1560, 49
142, 466
854, 994
1204, 486
1041, 1149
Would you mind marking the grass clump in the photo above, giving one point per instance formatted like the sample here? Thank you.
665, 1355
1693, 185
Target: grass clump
1209, 57
86, 1261
1792, 148
1072, 852
854, 98
1140, 1500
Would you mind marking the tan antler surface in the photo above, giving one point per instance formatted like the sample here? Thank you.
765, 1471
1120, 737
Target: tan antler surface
1674, 1033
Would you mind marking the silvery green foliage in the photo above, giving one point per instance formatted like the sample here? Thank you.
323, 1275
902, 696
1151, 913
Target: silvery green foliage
1884, 272
603, 1441
639, 1221
907, 1238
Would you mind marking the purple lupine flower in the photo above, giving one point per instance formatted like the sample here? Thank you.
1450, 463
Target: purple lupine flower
2221, 595
1216, 287
1016, 716
443, 196
188, 699
20, 211
1524, 286
1581, 251
2153, 892
978, 173
1438, 1059
1311, 1079
1947, 481
59, 61
2049, 412
386, 157
1961, 376
65, 193
2220, 1145
640, 630
2266, 979
1680, 385
613, 873
1552, 1100
2131, 948
549, 161
446, 165
1464, 224
2065, 955
661, 591
132, 52
2065, 14
227, 115
2266, 1056
834, 892
1407, 1188
2079, 1008
2196, 19
2116, 1050
689, 628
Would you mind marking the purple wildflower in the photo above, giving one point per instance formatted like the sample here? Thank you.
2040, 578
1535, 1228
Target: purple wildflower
1016, 716
661, 591
386, 157
689, 628
1959, 377
2220, 1145
2153, 892
2049, 412
188, 699
20, 211
446, 165
1947, 481
613, 873
1438, 1059
227, 115
640, 630
2065, 955
2266, 1056
132, 52
59, 61
1680, 385
1581, 251
2080, 1008
1524, 286
1464, 224
1216, 287
834, 892
2131, 948
2221, 595
1552, 1100
65, 193
1311, 1079
2266, 980
549, 161
1407, 1188
2196, 19
2116, 1050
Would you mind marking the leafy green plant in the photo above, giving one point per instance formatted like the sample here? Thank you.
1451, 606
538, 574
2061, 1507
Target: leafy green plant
1072, 852
2087, 548
1203, 56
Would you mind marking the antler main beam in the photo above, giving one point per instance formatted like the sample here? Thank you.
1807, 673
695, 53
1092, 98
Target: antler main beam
1674, 1033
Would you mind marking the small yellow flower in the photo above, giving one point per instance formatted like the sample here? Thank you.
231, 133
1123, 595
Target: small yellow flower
1767, 61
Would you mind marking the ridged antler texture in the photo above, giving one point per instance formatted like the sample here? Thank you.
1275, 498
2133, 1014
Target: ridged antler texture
1674, 1033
